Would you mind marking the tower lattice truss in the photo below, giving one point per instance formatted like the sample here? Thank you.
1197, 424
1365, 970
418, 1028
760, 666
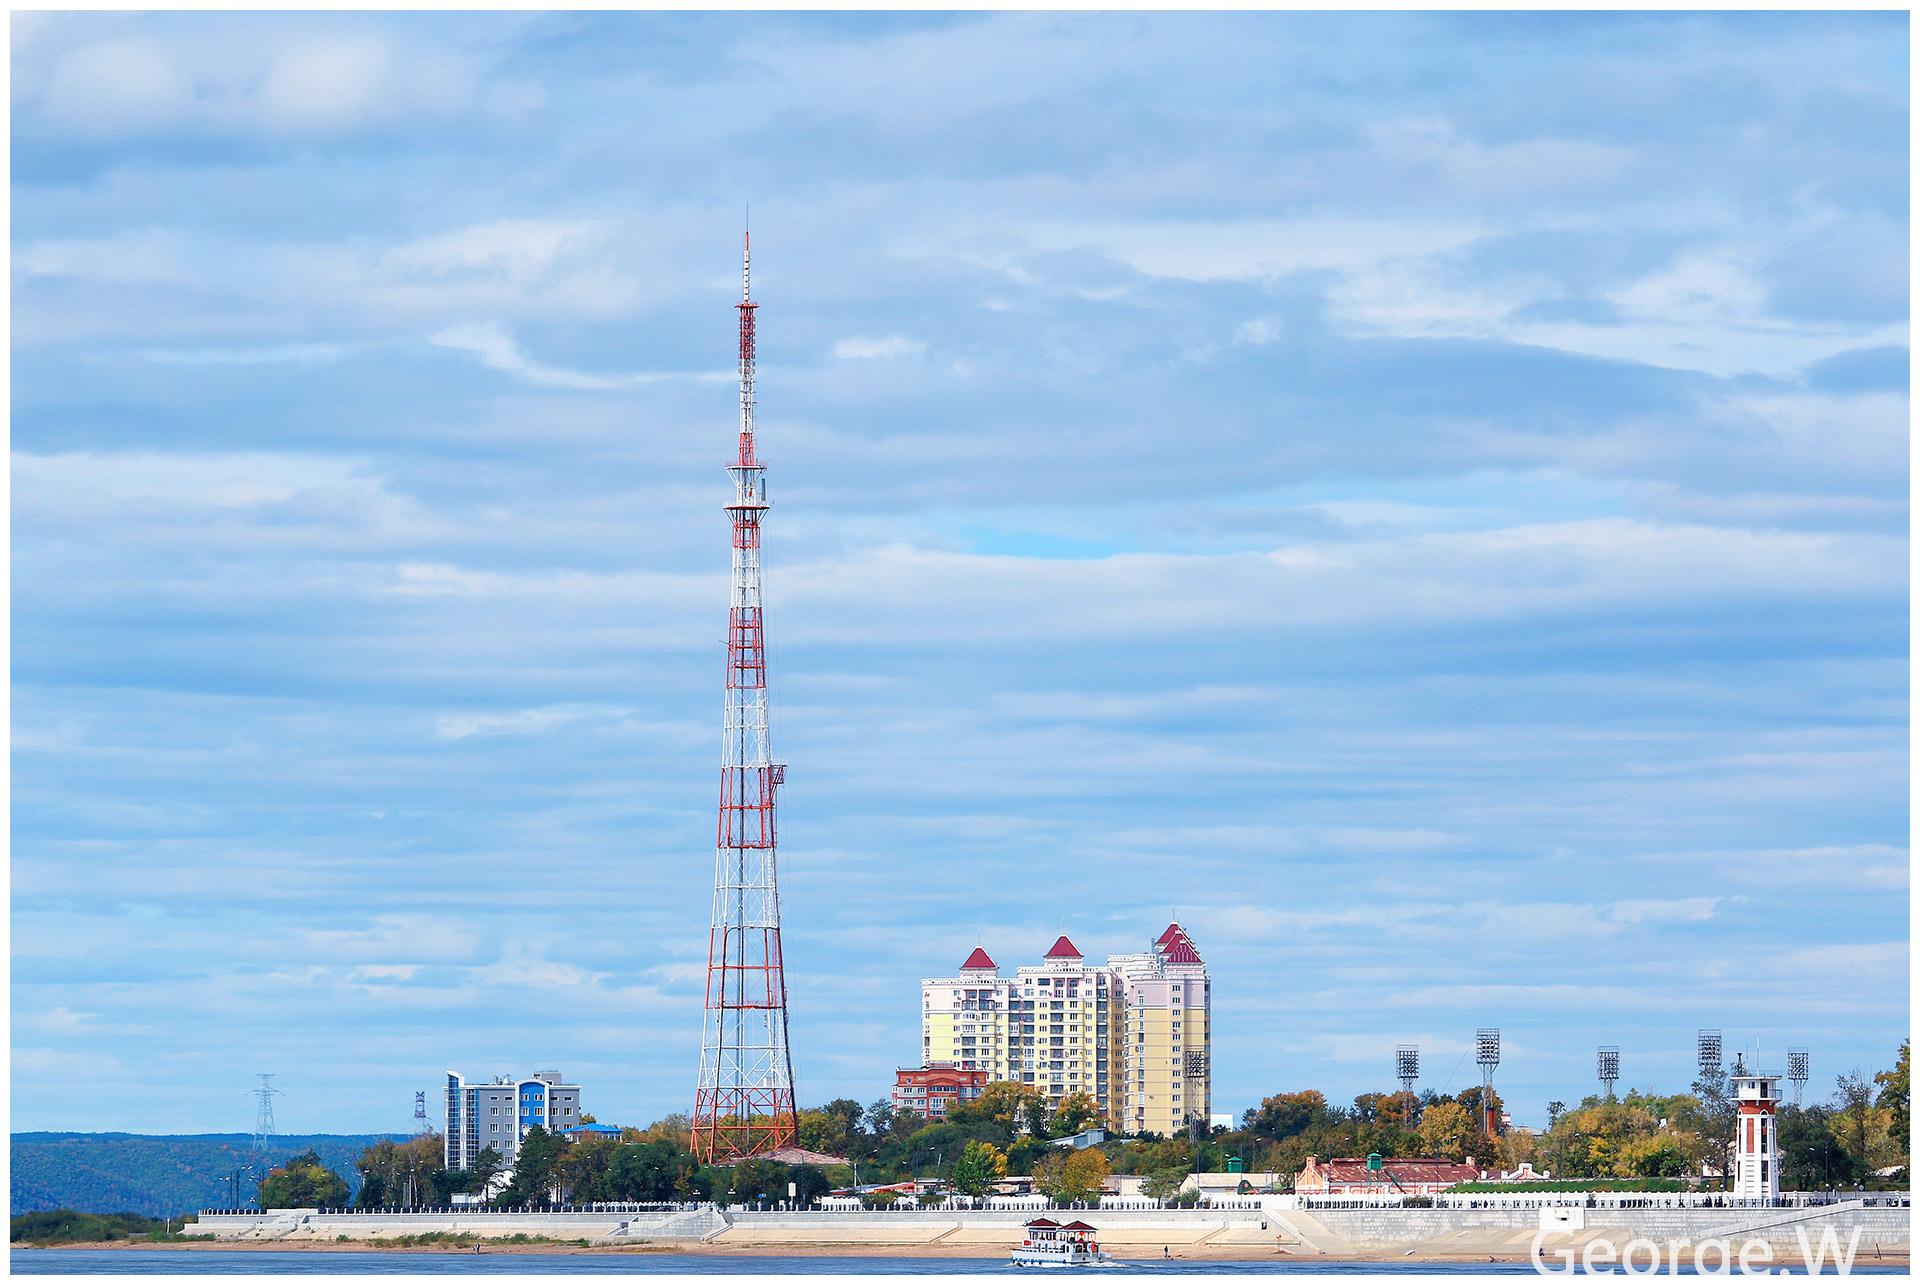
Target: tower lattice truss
744, 1103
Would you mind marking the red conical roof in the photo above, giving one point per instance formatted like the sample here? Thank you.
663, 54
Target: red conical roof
1063, 949
979, 959
1173, 930
1180, 951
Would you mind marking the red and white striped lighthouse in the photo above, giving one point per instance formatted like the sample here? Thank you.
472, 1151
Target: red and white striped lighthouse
1756, 1164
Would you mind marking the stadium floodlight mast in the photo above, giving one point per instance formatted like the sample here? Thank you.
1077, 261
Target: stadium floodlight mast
1606, 1064
1486, 1052
1797, 1072
1406, 1065
1710, 1053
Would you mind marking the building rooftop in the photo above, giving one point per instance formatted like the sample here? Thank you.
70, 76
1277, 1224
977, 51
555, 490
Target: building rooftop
1063, 949
980, 959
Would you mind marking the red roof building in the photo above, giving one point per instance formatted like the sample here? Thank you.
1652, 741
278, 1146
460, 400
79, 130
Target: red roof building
929, 1090
1346, 1176
979, 959
1063, 949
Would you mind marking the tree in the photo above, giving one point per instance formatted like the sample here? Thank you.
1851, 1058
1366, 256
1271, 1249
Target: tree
534, 1170
1002, 1103
584, 1170
395, 1175
981, 1164
1164, 1184
1287, 1115
1811, 1157
1446, 1130
1895, 1089
1853, 1100
1555, 1109
656, 1170
303, 1183
1072, 1176
1718, 1118
485, 1168
1077, 1111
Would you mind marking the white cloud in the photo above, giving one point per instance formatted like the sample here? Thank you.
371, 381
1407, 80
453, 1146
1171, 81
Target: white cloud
526, 968
857, 348
490, 342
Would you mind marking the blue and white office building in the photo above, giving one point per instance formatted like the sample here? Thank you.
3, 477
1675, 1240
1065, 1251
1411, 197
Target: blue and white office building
499, 1112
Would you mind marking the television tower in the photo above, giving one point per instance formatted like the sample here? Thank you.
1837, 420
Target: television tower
743, 1103
1486, 1051
263, 1117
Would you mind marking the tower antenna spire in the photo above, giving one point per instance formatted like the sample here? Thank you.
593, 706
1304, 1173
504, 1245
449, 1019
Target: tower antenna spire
744, 1103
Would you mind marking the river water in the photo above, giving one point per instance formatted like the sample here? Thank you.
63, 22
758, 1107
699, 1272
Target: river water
153, 1262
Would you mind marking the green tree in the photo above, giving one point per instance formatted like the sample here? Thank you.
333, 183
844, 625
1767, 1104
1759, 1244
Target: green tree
1164, 1184
583, 1169
1895, 1091
1718, 1118
535, 1170
485, 1168
981, 1164
656, 1170
303, 1183
1287, 1115
1811, 1157
1853, 1116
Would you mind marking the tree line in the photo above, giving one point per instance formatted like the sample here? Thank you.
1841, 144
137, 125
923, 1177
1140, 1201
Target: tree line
1851, 1140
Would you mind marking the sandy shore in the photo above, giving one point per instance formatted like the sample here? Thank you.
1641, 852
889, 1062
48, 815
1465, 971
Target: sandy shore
1210, 1254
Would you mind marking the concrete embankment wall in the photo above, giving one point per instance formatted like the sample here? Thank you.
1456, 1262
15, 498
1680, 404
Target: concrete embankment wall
311, 1224
1120, 1230
1280, 1226
1510, 1231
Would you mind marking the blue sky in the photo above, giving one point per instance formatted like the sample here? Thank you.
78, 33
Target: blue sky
1422, 499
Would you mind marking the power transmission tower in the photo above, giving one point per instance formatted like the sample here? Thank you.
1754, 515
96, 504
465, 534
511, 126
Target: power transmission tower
263, 1117
421, 1125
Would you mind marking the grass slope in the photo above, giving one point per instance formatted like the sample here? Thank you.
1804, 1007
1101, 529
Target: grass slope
153, 1174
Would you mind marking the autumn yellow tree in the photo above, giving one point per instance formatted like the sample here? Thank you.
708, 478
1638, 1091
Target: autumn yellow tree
1072, 1176
1446, 1130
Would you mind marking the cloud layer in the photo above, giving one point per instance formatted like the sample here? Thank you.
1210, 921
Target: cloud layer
1420, 498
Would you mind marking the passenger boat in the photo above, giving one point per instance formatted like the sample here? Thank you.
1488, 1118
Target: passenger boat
1052, 1244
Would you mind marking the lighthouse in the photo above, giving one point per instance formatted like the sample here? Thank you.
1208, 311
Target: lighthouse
1756, 1166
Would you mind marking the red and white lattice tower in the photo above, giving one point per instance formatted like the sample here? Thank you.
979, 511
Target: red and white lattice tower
743, 1105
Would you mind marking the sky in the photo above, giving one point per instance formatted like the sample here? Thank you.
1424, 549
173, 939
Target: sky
1420, 499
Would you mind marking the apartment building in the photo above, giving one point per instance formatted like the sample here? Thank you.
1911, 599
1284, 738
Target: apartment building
500, 1112
929, 1090
1132, 1033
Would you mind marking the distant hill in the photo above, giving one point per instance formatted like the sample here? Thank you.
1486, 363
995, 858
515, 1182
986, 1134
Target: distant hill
155, 1174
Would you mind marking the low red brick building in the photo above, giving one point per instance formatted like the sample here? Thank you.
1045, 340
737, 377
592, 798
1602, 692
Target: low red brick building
1418, 1176
927, 1091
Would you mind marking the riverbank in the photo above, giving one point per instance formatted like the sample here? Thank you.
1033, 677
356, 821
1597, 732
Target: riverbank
1867, 1257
